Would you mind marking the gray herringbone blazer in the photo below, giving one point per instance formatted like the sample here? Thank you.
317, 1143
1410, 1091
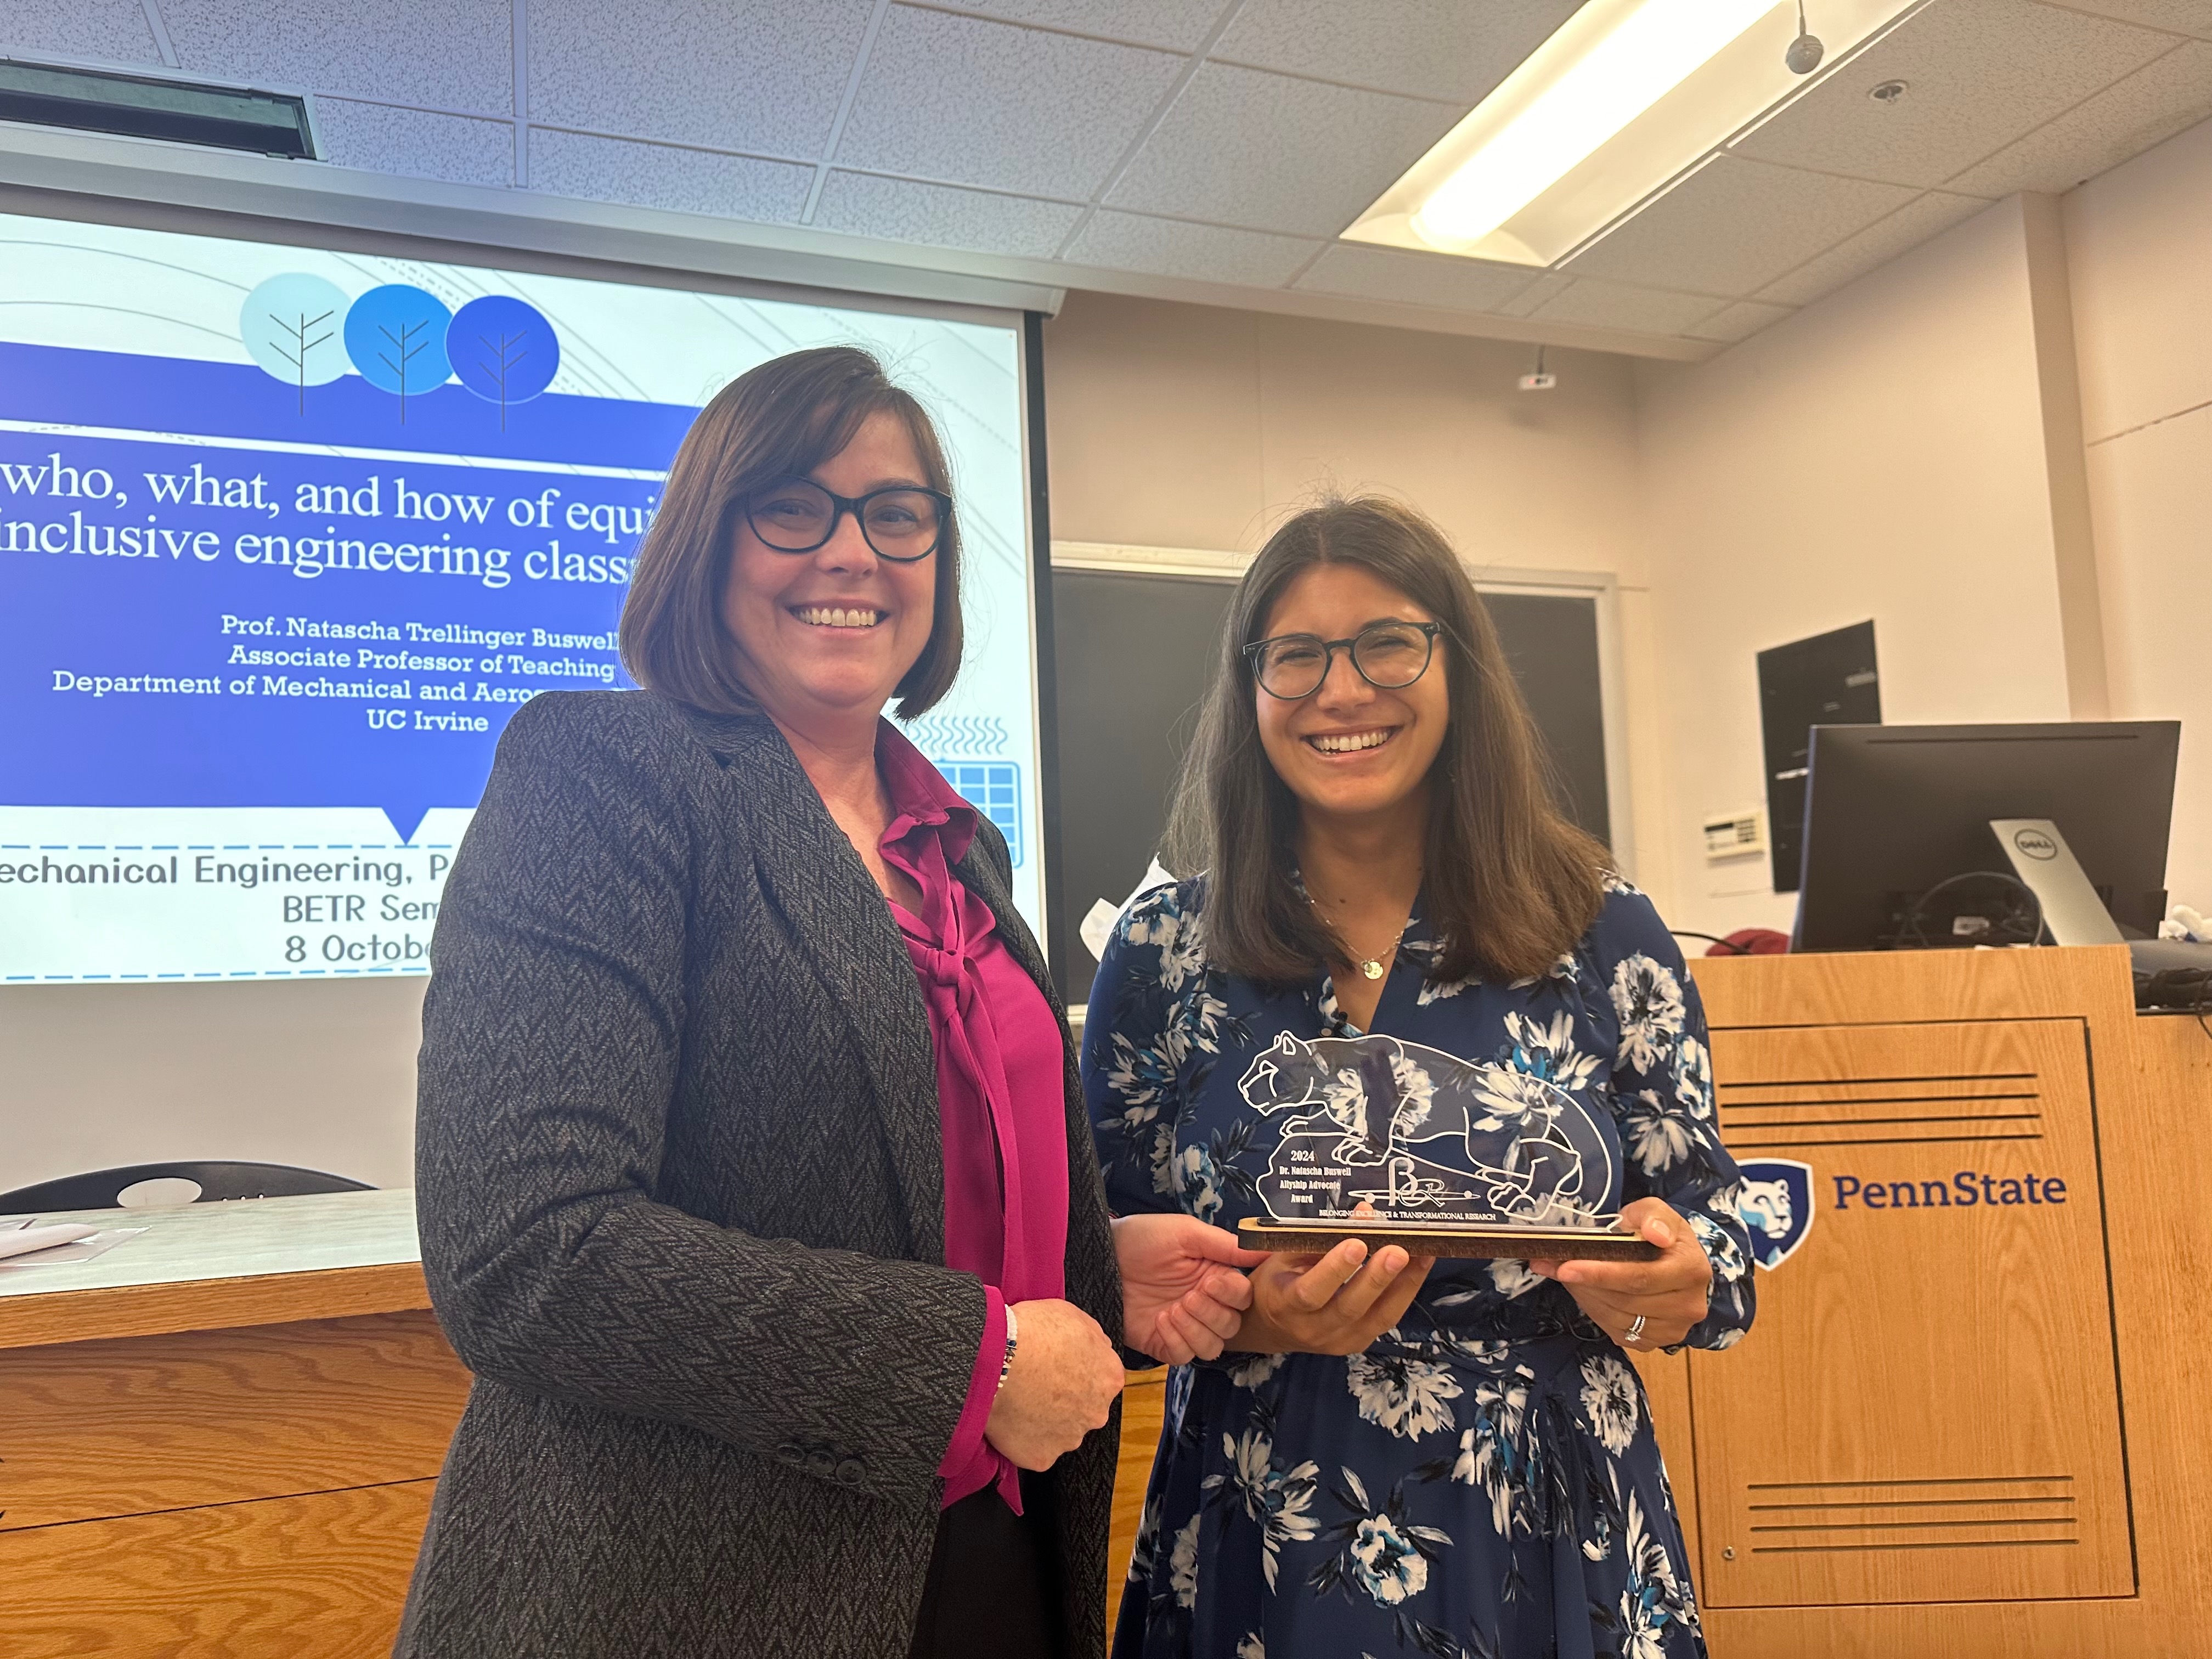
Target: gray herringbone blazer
681, 1188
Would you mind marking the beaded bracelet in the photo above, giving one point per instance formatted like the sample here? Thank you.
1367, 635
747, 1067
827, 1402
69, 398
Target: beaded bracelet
1007, 1364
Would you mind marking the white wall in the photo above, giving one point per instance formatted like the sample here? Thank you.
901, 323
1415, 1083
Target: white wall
2139, 243
318, 1074
1999, 447
1883, 454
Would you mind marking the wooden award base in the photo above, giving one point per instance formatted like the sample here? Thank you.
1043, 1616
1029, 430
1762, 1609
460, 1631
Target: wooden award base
1465, 1241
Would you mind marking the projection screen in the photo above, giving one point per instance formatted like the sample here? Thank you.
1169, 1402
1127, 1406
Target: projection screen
287, 534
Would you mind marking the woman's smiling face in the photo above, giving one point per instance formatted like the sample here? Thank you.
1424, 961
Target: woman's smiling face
831, 633
1350, 750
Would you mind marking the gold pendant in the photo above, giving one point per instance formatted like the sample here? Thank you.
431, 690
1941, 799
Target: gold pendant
1371, 969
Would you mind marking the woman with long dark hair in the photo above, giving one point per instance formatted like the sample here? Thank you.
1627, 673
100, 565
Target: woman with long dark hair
1456, 1458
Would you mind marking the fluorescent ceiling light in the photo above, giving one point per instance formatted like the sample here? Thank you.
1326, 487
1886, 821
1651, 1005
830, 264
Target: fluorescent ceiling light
1624, 96
1625, 70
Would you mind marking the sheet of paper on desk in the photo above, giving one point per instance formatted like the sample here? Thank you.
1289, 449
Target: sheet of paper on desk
42, 1247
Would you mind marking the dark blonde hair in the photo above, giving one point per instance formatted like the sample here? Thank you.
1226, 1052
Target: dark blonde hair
780, 420
1510, 884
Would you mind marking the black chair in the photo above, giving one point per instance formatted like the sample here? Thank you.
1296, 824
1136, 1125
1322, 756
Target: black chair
100, 1189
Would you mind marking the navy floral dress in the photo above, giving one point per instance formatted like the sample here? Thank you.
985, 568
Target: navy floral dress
1482, 1483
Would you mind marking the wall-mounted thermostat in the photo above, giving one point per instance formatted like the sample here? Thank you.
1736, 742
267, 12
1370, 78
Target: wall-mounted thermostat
1736, 834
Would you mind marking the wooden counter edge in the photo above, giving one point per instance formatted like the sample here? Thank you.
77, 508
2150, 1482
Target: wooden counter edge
196, 1304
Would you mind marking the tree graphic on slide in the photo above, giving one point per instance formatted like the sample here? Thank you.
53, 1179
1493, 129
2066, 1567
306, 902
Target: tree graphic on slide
290, 325
396, 336
504, 349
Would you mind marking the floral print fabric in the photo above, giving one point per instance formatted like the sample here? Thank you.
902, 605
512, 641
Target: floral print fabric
1482, 1482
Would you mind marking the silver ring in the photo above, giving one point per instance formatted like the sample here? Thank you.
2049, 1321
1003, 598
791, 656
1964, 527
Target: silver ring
1635, 1332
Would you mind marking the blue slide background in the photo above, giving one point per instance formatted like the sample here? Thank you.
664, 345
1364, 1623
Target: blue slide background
108, 615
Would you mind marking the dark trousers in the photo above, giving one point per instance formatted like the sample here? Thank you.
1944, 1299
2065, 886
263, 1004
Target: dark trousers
993, 1590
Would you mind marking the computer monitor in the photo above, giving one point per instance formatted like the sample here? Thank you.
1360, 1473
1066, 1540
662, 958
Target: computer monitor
1892, 810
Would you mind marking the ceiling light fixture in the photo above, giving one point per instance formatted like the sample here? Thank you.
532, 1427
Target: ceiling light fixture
1625, 70
1624, 96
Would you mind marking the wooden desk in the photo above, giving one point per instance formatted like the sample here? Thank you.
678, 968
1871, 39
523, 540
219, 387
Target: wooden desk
1144, 1411
220, 1437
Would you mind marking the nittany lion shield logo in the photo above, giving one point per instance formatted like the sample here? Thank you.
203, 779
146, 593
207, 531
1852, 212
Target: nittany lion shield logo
1776, 1205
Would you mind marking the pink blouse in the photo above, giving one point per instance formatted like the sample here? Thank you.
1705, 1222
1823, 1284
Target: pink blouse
1001, 1093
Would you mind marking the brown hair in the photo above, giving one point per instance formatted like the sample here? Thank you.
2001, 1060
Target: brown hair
1510, 884
780, 420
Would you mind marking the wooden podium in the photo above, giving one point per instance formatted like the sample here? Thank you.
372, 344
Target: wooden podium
1968, 1419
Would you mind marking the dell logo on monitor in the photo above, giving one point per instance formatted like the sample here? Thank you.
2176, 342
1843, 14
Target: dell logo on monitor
2035, 844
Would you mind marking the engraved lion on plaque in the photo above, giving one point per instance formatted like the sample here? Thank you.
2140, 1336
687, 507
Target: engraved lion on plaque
1424, 1135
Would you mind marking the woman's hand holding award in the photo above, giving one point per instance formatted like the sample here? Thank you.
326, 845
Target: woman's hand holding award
1392, 1143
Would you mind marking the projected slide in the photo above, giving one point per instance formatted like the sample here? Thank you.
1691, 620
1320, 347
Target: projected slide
285, 536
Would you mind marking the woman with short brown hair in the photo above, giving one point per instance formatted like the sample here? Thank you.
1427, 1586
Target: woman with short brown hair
752, 1174
1450, 1458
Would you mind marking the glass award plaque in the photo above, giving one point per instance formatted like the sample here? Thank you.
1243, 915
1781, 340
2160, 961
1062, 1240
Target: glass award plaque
1456, 1157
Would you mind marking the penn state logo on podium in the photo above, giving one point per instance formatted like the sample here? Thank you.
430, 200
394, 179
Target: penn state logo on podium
1775, 1207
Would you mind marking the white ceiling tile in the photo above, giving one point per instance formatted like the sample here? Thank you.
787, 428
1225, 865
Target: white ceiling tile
2182, 16
1175, 25
768, 78
1245, 148
974, 102
1979, 74
1918, 220
1733, 225
1617, 305
1418, 279
1539, 293
1175, 247
2125, 119
661, 176
106, 31
943, 216
1738, 322
459, 149
1443, 49
461, 56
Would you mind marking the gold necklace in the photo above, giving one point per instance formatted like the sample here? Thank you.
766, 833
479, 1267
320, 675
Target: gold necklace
1369, 967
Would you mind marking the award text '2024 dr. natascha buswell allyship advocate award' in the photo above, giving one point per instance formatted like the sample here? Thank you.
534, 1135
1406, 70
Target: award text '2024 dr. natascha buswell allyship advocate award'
1456, 1157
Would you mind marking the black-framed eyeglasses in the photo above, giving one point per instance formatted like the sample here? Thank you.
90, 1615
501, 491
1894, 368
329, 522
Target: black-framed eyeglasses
1389, 656
902, 523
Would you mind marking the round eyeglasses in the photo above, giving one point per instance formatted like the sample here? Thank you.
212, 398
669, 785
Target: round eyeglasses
1389, 656
798, 515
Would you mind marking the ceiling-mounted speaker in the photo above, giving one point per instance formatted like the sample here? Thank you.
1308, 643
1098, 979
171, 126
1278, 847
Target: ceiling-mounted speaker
1806, 50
